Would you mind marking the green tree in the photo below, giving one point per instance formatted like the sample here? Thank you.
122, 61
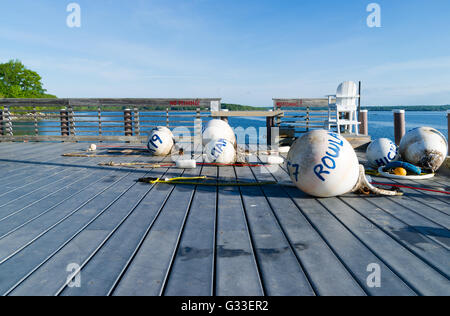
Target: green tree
17, 81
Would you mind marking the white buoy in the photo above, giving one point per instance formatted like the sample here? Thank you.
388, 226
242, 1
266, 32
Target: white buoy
160, 141
284, 149
93, 147
424, 147
220, 151
272, 160
323, 164
218, 129
186, 164
381, 152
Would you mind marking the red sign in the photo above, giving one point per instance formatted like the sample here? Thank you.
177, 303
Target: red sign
281, 104
185, 102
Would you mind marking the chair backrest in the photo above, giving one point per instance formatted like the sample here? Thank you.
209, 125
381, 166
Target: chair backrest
347, 96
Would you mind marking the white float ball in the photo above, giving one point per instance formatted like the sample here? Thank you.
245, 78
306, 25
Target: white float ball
381, 152
160, 141
425, 147
323, 164
216, 129
220, 151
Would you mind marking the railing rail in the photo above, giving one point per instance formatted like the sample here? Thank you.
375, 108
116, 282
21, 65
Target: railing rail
98, 119
301, 115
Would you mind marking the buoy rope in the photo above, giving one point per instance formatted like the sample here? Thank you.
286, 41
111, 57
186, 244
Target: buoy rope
152, 165
409, 187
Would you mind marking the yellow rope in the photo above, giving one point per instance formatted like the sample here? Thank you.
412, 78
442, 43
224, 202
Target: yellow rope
185, 180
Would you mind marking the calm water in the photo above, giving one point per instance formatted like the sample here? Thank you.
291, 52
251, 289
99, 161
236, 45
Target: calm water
380, 124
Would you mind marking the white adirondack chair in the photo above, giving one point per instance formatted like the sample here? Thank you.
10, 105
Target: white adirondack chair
346, 103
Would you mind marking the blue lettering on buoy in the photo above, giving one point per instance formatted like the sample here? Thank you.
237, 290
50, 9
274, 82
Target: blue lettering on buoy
218, 148
328, 161
155, 138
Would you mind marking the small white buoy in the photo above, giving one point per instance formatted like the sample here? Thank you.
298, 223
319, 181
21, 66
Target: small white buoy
284, 149
323, 164
381, 152
186, 164
93, 147
160, 141
272, 160
220, 151
424, 147
218, 129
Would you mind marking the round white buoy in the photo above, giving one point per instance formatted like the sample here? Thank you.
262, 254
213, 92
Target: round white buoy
323, 164
424, 147
93, 147
220, 151
160, 141
381, 152
284, 149
218, 129
186, 164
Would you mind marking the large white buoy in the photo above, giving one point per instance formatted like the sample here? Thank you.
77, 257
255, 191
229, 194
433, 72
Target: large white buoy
220, 151
216, 129
381, 152
424, 147
323, 164
160, 141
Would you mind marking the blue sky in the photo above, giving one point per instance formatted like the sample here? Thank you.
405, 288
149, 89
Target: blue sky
245, 51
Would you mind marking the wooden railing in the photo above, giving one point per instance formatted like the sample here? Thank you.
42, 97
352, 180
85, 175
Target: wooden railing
98, 119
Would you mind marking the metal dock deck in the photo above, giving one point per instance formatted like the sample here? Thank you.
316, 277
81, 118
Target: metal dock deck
61, 214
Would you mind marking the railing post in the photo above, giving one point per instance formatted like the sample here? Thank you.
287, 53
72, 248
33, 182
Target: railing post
128, 122
2, 132
36, 126
64, 118
71, 116
364, 120
136, 127
167, 117
399, 125
99, 116
8, 125
269, 124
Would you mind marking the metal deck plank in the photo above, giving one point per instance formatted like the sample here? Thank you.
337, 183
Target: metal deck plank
27, 247
418, 196
422, 210
19, 217
25, 173
309, 247
443, 197
435, 200
38, 179
105, 269
39, 189
423, 278
14, 167
437, 229
349, 249
413, 237
52, 276
280, 270
237, 273
146, 273
192, 269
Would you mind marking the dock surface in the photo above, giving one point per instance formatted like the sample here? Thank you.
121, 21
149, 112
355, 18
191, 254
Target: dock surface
64, 215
